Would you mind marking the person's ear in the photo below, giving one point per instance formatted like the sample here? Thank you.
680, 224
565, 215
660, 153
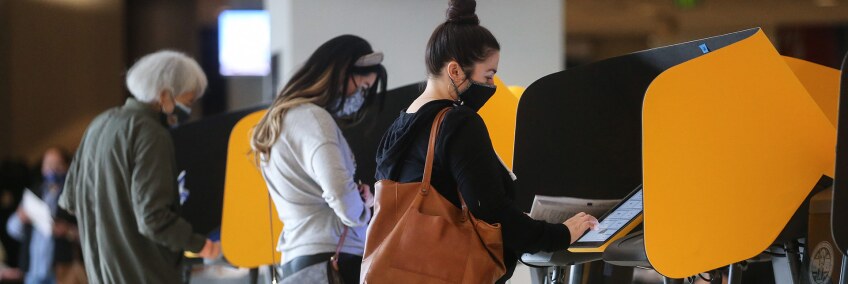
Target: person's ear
165, 101
455, 72
163, 96
187, 98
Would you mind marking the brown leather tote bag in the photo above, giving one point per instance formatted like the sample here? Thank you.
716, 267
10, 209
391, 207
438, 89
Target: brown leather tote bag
418, 236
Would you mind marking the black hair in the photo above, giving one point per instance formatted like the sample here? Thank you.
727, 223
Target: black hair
460, 38
339, 53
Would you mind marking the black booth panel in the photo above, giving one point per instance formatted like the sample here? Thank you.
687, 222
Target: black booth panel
840, 188
579, 131
201, 150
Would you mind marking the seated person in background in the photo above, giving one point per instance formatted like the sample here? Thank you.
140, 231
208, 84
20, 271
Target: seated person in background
42, 253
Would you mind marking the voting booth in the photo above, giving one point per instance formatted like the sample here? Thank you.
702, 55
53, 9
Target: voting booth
739, 128
579, 131
721, 133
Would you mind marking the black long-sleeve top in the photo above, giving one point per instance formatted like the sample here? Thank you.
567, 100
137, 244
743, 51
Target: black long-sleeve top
465, 159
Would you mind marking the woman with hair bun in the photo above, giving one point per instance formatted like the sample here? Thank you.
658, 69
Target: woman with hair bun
462, 59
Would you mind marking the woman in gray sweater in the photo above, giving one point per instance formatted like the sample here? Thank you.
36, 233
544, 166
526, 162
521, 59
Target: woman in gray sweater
307, 164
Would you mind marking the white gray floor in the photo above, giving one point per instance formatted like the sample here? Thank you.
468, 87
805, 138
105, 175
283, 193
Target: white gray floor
222, 274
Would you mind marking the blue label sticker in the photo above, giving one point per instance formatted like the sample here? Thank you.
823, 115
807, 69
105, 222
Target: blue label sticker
704, 48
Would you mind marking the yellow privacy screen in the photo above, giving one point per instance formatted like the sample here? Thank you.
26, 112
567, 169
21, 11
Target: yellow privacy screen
250, 226
499, 115
732, 141
517, 91
821, 82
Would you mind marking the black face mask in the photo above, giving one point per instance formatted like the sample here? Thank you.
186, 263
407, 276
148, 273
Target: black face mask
477, 95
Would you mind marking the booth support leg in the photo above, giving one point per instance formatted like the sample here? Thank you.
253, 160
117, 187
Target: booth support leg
735, 274
254, 275
794, 258
781, 267
556, 275
575, 274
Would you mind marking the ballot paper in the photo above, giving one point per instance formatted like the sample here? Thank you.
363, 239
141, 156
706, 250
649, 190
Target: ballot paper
38, 213
555, 209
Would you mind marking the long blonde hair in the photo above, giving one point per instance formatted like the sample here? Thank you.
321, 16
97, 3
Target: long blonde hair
268, 129
321, 81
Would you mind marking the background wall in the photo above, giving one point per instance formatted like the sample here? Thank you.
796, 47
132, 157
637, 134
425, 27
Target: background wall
65, 61
599, 29
5, 103
529, 31
158, 24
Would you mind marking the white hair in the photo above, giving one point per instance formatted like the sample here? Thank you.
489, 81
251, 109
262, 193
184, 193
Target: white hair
165, 70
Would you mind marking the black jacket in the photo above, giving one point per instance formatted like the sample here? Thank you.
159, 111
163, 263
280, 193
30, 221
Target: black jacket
465, 159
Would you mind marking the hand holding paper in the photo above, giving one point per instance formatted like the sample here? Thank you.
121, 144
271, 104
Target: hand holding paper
38, 212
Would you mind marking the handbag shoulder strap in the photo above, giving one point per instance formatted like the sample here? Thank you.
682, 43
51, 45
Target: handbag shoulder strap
431, 151
335, 258
431, 148
428, 162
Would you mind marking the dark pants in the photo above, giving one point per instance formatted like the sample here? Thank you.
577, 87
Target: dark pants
349, 265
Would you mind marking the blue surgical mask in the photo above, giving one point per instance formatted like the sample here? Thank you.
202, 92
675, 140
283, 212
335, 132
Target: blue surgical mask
352, 104
183, 112
54, 178
180, 115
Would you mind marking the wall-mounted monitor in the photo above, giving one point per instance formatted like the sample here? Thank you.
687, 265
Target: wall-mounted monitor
244, 42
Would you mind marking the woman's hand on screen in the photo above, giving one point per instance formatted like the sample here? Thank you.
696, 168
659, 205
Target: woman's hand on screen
579, 224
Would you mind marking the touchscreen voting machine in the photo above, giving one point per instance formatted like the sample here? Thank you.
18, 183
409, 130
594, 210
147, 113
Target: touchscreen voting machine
615, 224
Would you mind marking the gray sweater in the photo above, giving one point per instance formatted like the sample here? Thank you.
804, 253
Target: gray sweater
309, 174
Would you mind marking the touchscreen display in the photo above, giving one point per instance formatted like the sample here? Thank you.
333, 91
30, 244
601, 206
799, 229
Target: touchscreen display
616, 219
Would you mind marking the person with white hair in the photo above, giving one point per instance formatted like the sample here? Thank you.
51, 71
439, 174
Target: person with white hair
122, 184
